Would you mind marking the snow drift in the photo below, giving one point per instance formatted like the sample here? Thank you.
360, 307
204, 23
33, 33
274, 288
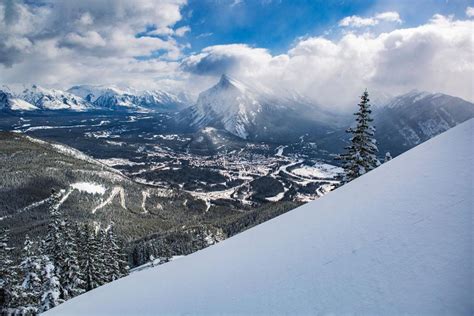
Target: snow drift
397, 240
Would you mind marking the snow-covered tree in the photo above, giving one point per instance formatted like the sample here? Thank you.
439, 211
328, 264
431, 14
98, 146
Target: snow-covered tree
8, 275
54, 238
115, 260
388, 157
99, 244
30, 288
90, 258
51, 289
361, 154
165, 252
54, 243
72, 278
62, 249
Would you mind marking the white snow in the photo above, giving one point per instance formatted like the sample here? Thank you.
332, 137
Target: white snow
280, 150
111, 162
148, 265
34, 97
20, 105
277, 197
145, 195
319, 170
125, 97
115, 191
89, 187
397, 240
231, 102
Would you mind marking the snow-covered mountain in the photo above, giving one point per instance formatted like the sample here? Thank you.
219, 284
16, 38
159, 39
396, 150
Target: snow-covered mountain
229, 103
111, 97
410, 119
85, 98
9, 102
379, 245
39, 98
251, 113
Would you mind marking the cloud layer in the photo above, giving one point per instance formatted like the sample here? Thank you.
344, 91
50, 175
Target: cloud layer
63, 42
436, 56
138, 43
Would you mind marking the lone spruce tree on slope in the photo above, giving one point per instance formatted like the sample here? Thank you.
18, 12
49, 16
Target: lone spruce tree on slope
361, 155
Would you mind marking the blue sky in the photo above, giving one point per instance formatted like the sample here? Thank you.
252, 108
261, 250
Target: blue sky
276, 25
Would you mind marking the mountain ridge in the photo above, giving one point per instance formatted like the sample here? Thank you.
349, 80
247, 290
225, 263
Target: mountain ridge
88, 98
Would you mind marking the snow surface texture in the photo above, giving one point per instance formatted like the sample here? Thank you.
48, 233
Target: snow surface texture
397, 240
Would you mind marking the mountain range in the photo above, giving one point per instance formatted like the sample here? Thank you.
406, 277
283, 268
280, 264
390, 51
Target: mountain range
256, 114
412, 118
88, 98
110, 97
36, 98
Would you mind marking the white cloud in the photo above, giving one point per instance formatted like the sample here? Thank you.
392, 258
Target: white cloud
470, 12
92, 41
86, 19
436, 56
181, 31
233, 58
390, 16
89, 39
59, 41
357, 21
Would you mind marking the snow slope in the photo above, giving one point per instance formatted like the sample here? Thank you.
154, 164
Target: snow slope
398, 240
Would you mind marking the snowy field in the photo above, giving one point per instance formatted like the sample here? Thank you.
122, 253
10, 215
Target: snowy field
379, 245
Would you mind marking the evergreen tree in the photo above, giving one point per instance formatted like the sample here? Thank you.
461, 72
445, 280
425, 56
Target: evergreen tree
89, 259
165, 252
152, 260
71, 274
115, 261
54, 245
388, 157
361, 155
30, 289
62, 249
99, 244
8, 274
51, 289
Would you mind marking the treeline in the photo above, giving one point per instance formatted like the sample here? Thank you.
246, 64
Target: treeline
70, 260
